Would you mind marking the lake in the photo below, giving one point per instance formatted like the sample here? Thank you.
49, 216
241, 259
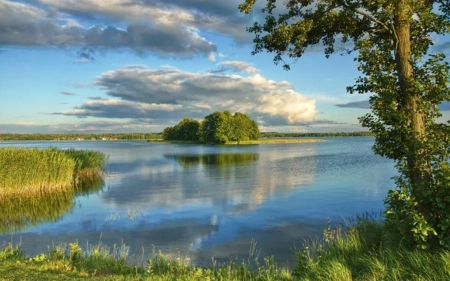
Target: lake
202, 201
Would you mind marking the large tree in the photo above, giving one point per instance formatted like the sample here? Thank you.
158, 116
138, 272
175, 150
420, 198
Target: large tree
222, 127
407, 83
243, 128
186, 130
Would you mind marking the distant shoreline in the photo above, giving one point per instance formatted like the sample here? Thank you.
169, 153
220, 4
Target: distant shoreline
250, 142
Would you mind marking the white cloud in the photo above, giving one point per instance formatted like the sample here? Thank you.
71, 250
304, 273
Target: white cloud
171, 94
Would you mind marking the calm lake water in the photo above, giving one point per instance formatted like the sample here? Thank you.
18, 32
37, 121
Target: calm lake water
208, 201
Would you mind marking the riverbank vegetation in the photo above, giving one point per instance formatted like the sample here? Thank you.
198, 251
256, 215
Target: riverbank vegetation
30, 172
366, 250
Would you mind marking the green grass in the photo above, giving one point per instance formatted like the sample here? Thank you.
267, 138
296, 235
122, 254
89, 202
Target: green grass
99, 262
30, 172
368, 251
365, 251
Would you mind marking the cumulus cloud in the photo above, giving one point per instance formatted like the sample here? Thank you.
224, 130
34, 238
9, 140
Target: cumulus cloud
171, 94
163, 28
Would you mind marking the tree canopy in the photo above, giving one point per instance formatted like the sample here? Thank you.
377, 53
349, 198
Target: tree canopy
216, 128
406, 81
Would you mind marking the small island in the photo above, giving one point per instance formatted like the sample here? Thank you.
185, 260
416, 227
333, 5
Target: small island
221, 128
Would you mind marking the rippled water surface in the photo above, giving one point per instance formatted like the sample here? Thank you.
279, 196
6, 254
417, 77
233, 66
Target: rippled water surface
207, 201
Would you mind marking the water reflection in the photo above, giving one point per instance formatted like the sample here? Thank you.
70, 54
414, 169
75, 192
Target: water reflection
19, 213
90, 185
214, 200
234, 182
224, 159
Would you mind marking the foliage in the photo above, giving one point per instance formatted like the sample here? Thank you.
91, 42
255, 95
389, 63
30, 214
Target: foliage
407, 83
222, 127
186, 130
367, 251
216, 128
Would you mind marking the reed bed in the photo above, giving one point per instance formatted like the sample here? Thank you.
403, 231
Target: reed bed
88, 163
27, 172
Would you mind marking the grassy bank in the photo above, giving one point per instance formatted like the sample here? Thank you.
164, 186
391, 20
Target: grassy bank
277, 141
365, 252
27, 172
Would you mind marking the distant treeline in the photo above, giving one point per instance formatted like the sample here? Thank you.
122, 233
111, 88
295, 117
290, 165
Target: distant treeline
314, 135
109, 136
149, 136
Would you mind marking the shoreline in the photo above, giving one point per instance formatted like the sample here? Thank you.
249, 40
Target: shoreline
249, 142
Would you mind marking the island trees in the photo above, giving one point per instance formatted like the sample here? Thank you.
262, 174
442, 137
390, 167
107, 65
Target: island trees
186, 130
216, 128
392, 40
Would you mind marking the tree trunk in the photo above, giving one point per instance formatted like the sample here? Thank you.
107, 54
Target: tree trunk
419, 174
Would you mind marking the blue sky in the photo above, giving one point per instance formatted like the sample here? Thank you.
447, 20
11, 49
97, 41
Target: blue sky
92, 66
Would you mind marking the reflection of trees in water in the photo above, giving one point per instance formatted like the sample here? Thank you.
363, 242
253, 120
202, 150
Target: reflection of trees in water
222, 159
19, 213
234, 182
89, 185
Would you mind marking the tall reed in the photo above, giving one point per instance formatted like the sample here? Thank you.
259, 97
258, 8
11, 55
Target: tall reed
24, 171
88, 163
27, 172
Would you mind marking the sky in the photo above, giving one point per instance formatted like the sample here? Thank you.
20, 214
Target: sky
91, 66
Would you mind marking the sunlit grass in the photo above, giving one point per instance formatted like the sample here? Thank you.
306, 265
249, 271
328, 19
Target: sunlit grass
368, 251
27, 172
